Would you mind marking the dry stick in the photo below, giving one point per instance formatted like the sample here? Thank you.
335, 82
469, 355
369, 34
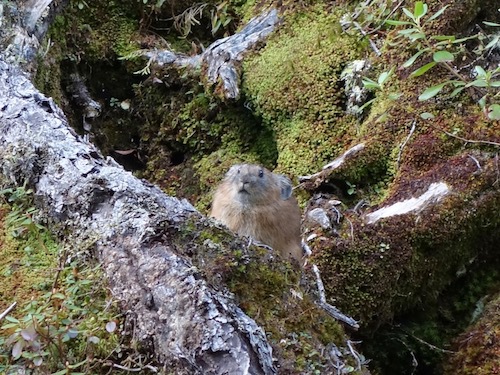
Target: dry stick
405, 142
428, 344
8, 310
354, 353
332, 310
475, 161
388, 16
151, 368
465, 139
372, 43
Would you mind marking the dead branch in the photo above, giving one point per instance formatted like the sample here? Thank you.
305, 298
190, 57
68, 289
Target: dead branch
221, 59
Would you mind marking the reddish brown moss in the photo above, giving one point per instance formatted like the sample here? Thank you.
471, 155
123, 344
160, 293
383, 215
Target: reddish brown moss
478, 349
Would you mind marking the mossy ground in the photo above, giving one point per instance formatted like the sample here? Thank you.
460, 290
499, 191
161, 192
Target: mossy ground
476, 350
294, 85
66, 304
269, 290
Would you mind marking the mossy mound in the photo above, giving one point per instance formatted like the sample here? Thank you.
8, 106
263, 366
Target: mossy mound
478, 349
294, 85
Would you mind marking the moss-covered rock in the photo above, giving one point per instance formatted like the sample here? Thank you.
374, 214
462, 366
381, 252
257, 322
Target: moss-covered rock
477, 351
294, 85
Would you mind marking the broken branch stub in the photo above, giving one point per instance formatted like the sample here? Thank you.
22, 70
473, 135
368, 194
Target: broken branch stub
221, 59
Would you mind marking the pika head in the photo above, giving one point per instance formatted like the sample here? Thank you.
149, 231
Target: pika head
252, 201
255, 185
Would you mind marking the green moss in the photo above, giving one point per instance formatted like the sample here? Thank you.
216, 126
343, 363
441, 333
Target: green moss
29, 257
262, 284
294, 84
65, 305
477, 350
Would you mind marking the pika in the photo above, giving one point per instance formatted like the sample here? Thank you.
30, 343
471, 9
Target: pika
252, 201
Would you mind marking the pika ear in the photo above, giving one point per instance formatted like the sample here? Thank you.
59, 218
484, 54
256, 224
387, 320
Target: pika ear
286, 186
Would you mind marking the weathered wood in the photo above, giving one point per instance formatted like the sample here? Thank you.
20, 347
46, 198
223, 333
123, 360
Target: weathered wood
221, 59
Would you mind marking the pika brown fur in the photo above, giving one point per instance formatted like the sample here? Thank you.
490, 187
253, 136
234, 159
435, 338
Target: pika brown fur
255, 202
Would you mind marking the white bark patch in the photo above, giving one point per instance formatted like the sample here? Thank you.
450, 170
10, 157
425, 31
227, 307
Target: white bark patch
435, 192
336, 163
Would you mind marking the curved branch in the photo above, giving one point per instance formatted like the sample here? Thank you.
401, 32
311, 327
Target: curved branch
221, 58
194, 328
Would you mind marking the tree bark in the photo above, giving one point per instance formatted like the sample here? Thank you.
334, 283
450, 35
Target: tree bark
131, 225
221, 59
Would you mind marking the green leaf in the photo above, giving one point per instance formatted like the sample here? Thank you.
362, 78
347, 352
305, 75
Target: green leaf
494, 112
443, 56
384, 76
457, 91
420, 9
432, 91
479, 70
416, 36
461, 40
11, 319
361, 109
477, 83
447, 38
408, 32
438, 13
427, 116
493, 42
488, 23
495, 83
423, 69
397, 23
370, 84
482, 102
409, 14
394, 96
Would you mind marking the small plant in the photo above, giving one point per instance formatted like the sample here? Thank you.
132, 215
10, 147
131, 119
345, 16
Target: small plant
60, 327
351, 188
53, 327
379, 85
20, 218
445, 51
220, 17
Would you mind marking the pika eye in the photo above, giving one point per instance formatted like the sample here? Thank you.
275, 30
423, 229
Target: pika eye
239, 170
261, 173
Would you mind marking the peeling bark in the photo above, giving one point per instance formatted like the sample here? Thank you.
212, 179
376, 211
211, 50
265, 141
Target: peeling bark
221, 58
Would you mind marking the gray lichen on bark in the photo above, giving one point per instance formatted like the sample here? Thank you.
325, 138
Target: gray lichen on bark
194, 328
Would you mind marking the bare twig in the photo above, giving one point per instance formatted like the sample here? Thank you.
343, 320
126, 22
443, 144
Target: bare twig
354, 353
138, 369
332, 310
475, 161
372, 43
351, 226
433, 347
335, 163
8, 310
386, 18
467, 140
412, 130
